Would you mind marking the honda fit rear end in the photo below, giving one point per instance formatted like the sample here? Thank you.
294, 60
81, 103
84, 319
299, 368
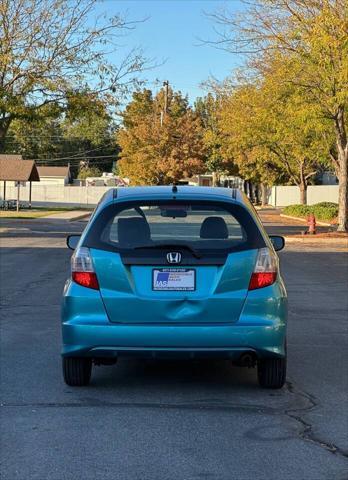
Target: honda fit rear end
183, 272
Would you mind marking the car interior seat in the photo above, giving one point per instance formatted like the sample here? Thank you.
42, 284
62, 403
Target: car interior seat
214, 227
133, 231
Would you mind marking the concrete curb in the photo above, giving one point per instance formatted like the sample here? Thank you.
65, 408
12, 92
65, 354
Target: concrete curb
80, 217
310, 239
300, 219
266, 207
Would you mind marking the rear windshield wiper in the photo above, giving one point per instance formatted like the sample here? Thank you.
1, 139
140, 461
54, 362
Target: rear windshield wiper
173, 245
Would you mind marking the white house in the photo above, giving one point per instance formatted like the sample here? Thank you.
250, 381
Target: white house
54, 175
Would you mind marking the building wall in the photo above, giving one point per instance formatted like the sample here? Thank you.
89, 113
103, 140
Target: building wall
43, 181
8, 184
53, 181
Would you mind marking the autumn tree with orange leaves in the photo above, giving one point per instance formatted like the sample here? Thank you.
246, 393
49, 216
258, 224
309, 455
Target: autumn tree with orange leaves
158, 147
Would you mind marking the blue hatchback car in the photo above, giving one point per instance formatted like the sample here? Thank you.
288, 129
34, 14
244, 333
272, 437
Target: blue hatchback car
174, 272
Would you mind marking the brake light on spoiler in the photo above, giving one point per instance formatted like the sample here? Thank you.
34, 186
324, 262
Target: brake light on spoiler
82, 269
265, 271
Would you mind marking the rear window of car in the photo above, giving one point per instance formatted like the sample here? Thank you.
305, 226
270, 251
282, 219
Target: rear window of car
203, 226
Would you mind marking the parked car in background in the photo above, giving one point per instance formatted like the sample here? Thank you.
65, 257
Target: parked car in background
175, 272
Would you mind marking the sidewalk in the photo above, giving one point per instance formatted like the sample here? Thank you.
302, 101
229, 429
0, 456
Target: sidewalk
293, 229
293, 225
277, 225
70, 216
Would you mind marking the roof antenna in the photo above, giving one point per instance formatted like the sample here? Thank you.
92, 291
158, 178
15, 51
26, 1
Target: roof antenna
175, 189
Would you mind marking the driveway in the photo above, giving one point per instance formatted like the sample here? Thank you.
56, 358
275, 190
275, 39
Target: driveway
169, 420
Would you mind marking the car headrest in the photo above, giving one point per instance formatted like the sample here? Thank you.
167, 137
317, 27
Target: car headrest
133, 231
214, 227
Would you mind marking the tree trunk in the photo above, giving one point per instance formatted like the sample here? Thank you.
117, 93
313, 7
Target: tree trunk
343, 193
342, 150
303, 193
214, 182
257, 193
4, 126
2, 138
216, 179
303, 186
245, 187
264, 195
251, 191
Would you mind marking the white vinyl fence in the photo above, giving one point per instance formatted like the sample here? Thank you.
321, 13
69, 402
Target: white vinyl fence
57, 195
76, 196
282, 196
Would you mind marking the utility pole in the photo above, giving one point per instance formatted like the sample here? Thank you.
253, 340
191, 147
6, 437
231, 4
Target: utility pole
166, 91
165, 109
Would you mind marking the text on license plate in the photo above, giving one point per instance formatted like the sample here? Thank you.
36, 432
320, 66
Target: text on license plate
180, 279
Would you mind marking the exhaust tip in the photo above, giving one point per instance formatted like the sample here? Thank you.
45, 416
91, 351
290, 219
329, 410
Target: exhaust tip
247, 359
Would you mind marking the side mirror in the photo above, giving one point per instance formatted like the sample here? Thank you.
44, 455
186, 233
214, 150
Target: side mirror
72, 241
278, 242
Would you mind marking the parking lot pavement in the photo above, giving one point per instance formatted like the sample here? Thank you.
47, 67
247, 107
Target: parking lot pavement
169, 420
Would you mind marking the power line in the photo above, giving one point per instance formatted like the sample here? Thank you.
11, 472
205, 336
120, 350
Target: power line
41, 160
76, 164
64, 136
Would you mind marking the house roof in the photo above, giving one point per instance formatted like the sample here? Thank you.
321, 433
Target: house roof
12, 167
54, 171
10, 157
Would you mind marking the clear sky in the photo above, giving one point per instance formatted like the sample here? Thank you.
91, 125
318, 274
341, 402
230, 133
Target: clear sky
172, 33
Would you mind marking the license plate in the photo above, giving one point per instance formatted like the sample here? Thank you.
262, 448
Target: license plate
174, 279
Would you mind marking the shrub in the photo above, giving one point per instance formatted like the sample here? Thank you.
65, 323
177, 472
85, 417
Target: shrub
326, 204
326, 211
89, 172
297, 210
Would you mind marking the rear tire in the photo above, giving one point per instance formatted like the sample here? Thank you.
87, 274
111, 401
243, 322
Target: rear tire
271, 372
77, 371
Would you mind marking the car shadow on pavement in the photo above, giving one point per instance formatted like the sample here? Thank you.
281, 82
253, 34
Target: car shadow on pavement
173, 372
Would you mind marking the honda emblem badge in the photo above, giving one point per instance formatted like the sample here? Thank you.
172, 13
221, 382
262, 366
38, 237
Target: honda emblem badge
173, 257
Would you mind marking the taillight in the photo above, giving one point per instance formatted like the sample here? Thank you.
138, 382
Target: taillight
86, 279
82, 269
266, 269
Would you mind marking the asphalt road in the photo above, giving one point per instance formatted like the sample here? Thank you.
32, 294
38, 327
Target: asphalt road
169, 420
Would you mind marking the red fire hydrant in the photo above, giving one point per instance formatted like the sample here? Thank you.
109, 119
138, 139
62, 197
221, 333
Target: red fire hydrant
311, 222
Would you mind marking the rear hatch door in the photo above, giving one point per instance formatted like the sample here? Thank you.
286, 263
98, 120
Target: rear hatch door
174, 261
194, 292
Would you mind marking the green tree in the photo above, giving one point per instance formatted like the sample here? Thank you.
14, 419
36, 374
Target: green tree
39, 138
208, 110
272, 134
312, 38
82, 135
49, 51
86, 172
247, 137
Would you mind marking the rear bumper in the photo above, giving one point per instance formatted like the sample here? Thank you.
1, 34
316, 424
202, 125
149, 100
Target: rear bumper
153, 341
261, 329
